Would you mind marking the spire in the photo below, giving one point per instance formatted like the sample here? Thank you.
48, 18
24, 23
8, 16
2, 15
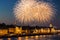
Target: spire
51, 25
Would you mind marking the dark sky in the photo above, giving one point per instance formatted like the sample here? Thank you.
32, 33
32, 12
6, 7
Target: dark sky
7, 16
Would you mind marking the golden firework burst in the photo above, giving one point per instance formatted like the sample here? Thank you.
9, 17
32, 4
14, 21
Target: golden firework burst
33, 12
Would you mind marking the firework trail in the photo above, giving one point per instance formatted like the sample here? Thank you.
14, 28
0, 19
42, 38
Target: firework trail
31, 12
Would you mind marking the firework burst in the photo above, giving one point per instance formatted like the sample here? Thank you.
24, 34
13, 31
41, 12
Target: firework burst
31, 12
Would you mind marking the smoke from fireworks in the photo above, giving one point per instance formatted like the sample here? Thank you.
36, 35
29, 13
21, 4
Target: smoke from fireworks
31, 12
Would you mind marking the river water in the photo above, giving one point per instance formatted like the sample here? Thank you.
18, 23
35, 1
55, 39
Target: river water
40, 37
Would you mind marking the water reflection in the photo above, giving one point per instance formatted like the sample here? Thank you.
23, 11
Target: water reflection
9, 38
19, 38
36, 37
26, 38
31, 36
41, 37
1, 39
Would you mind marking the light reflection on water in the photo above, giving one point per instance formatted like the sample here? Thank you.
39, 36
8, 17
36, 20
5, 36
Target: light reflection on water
41, 37
0, 39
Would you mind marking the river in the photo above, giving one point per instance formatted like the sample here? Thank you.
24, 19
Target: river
40, 37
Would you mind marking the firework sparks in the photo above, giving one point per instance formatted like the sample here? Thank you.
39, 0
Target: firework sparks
33, 13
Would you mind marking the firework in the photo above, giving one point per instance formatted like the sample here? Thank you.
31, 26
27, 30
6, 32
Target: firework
31, 12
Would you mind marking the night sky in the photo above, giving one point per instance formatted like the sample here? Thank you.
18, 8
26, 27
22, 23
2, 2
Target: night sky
7, 15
